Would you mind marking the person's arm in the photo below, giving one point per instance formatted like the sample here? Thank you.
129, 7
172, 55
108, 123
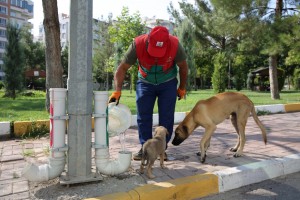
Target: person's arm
120, 75
183, 71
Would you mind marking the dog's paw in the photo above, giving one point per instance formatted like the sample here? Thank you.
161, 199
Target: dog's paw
202, 160
233, 149
237, 155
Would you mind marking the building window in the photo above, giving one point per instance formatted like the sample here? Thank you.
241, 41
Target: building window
2, 33
3, 10
13, 2
13, 13
3, 22
4, 1
2, 44
19, 3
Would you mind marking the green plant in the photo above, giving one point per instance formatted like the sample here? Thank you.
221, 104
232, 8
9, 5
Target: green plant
219, 75
1, 85
35, 131
46, 150
263, 112
296, 79
16, 175
28, 153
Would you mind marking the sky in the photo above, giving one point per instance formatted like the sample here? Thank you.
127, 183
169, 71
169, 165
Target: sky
149, 9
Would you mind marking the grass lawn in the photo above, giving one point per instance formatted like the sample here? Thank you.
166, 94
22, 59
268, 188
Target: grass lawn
31, 108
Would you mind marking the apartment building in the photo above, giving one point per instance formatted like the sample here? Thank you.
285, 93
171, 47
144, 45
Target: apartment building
16, 12
64, 21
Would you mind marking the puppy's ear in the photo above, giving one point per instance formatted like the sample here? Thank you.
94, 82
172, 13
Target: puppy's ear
155, 131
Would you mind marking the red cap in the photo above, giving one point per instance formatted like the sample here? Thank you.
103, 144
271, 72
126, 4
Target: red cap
158, 41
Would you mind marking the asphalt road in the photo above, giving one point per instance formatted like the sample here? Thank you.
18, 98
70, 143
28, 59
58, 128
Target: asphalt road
281, 188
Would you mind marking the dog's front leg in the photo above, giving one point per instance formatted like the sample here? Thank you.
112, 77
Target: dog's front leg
205, 141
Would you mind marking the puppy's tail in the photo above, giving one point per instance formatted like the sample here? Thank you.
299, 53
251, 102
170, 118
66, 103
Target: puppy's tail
145, 158
258, 122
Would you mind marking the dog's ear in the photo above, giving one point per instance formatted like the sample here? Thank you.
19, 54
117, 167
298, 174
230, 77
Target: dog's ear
185, 129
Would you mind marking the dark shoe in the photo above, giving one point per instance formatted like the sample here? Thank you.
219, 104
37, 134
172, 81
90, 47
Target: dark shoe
138, 155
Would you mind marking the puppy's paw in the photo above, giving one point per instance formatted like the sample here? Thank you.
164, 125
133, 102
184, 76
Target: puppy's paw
151, 176
163, 167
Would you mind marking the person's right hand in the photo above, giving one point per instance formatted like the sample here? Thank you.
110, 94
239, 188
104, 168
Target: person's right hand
115, 97
181, 93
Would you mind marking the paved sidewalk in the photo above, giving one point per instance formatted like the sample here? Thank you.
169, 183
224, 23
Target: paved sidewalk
283, 140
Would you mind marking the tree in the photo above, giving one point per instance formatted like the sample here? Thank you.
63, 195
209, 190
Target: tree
54, 70
244, 28
13, 63
185, 35
218, 80
125, 29
34, 52
215, 29
104, 49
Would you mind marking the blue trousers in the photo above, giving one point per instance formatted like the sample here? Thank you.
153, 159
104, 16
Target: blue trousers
146, 95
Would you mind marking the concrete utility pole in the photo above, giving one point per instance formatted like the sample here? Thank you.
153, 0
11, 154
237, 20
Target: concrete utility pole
80, 93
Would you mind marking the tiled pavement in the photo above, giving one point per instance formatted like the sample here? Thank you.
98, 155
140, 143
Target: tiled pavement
283, 140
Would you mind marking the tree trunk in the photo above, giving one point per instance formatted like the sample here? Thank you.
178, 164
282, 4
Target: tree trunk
273, 77
273, 59
54, 69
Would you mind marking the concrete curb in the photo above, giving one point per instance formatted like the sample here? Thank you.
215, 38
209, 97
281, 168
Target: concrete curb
4, 129
20, 127
202, 185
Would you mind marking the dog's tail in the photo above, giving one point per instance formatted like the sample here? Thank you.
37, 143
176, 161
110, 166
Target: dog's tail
145, 158
258, 122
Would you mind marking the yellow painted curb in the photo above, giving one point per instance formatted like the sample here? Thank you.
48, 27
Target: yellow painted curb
21, 127
292, 107
190, 187
131, 195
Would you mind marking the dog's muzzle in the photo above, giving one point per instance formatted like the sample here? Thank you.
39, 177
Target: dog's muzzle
177, 141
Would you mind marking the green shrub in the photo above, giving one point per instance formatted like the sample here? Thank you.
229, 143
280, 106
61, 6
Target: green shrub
296, 79
1, 85
219, 75
36, 131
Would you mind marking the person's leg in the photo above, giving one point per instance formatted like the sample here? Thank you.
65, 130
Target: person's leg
167, 94
145, 99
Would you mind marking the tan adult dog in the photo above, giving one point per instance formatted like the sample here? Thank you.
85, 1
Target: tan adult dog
152, 149
210, 112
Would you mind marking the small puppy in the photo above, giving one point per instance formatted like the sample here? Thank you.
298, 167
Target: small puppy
152, 149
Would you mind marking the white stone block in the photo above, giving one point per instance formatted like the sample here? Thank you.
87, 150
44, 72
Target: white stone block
237, 177
4, 128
